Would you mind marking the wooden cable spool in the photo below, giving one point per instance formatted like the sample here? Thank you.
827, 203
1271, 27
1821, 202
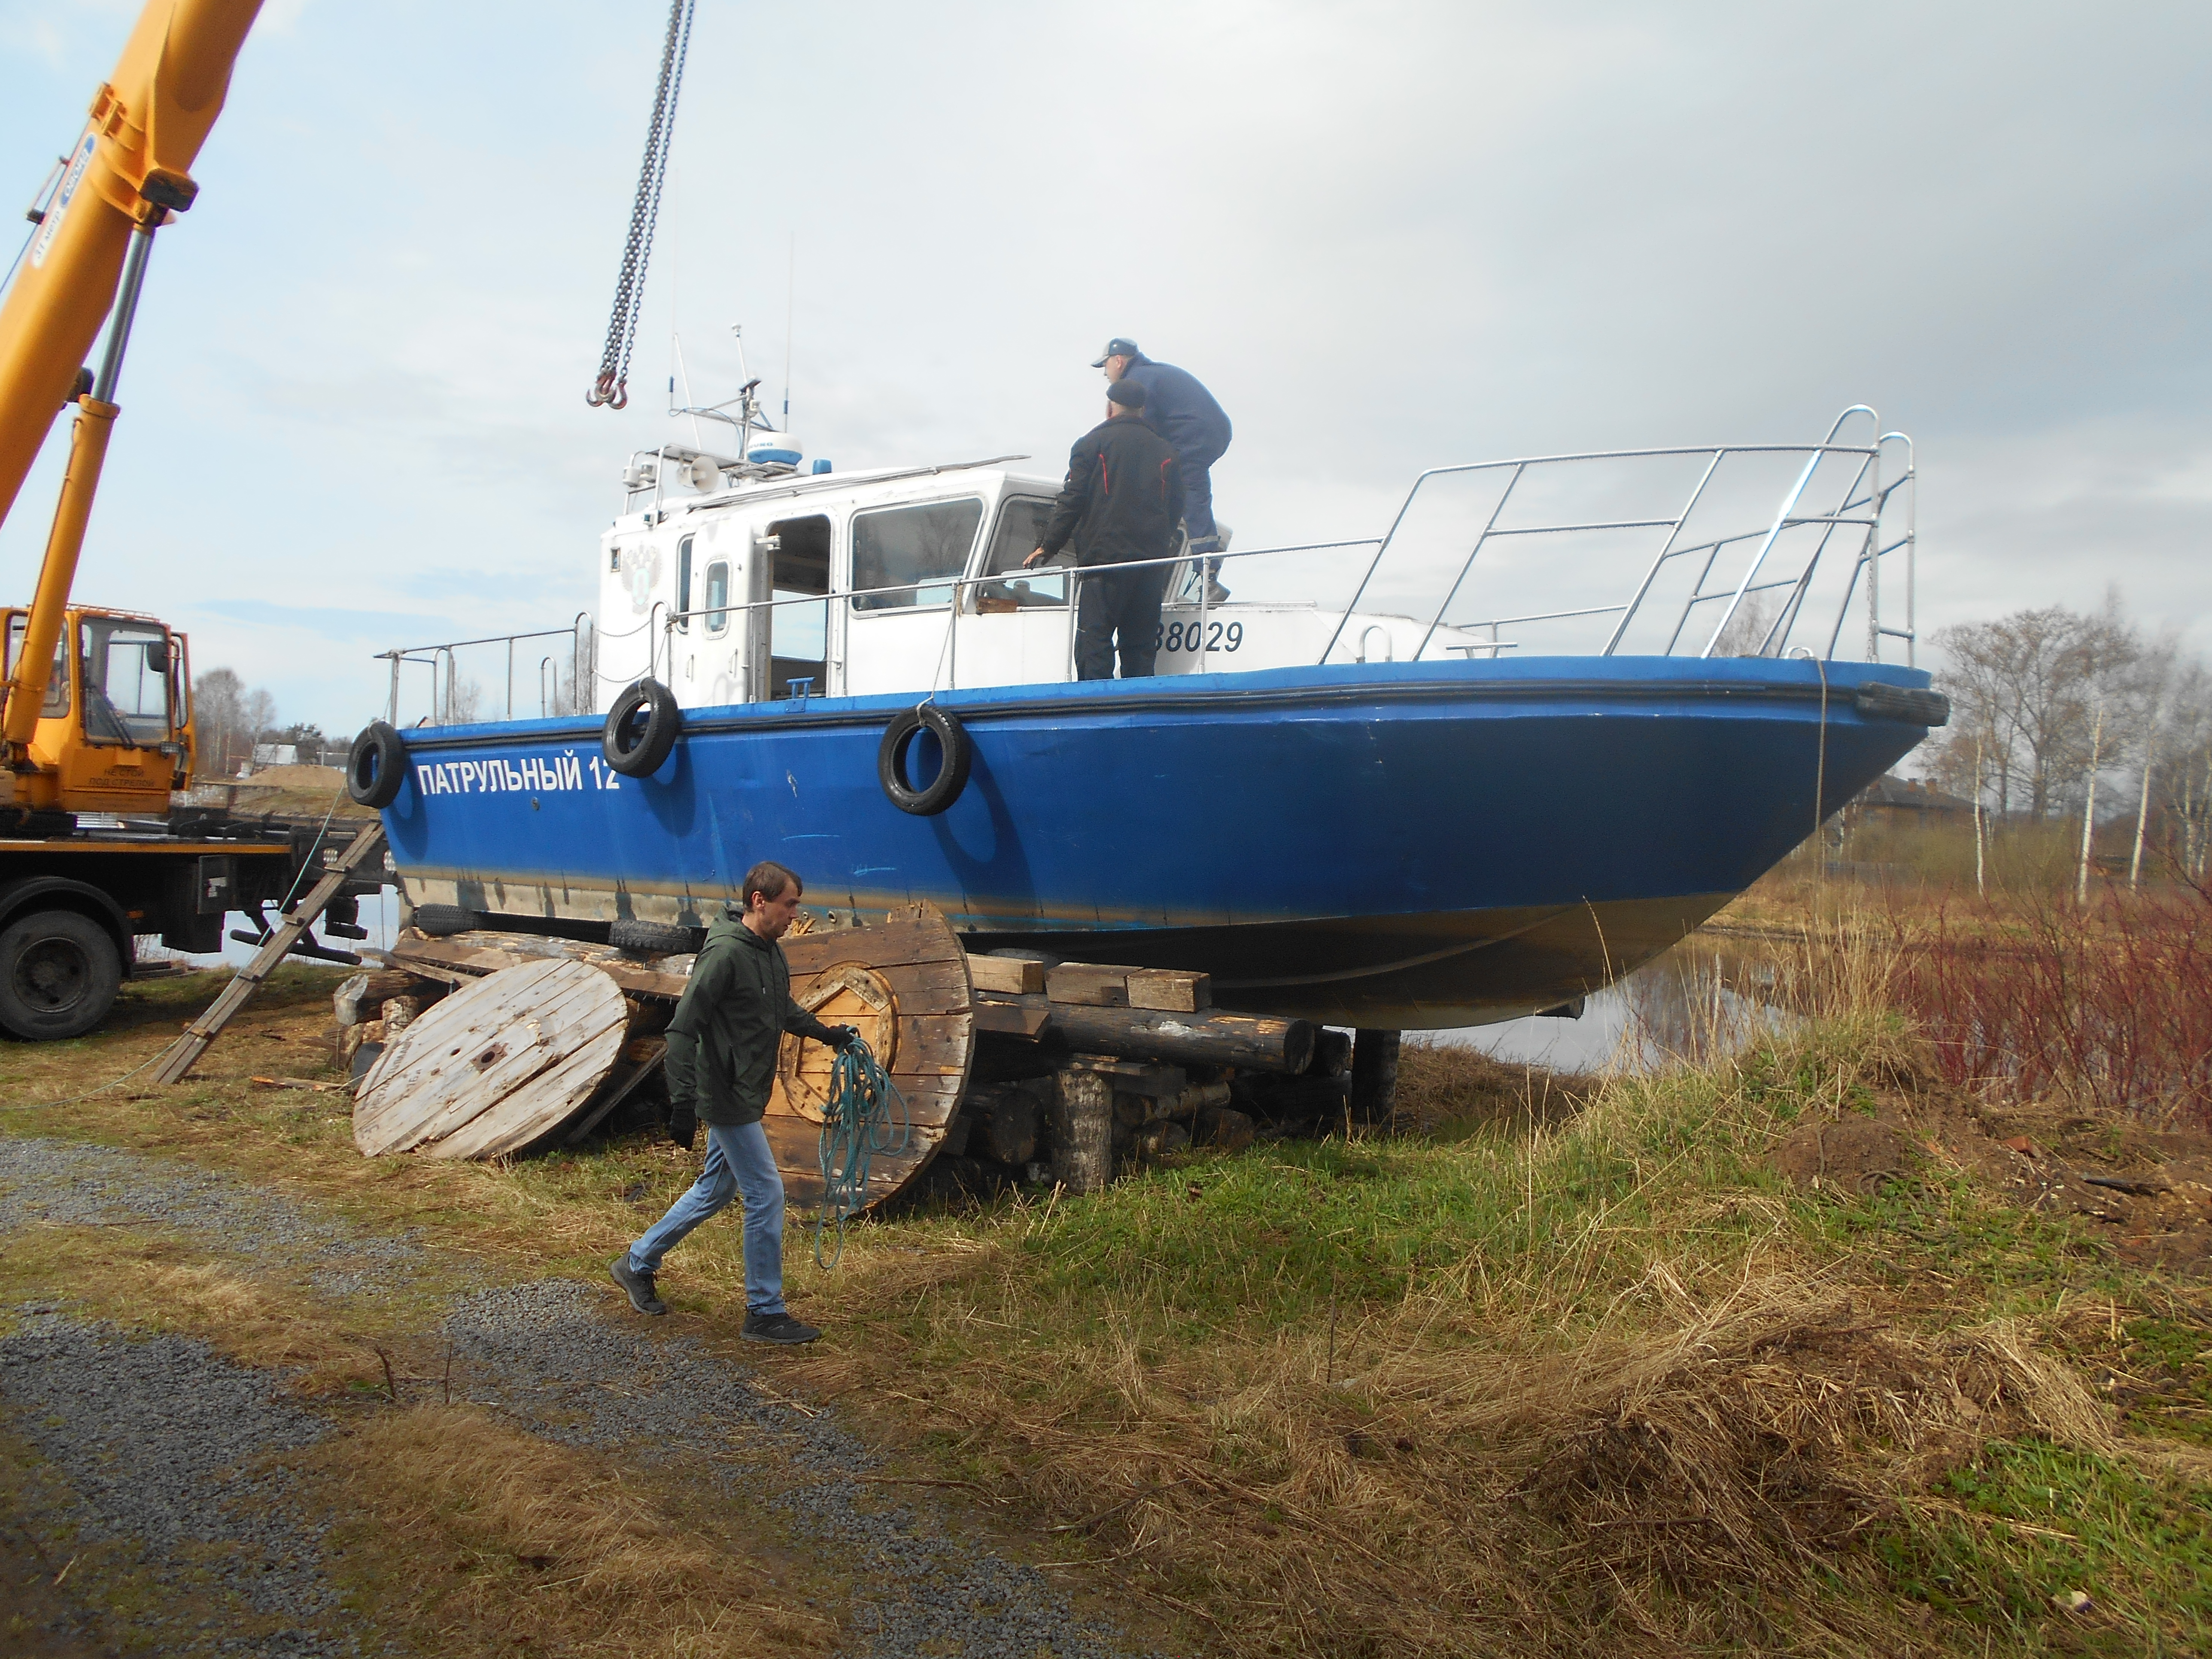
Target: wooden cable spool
502, 1063
905, 984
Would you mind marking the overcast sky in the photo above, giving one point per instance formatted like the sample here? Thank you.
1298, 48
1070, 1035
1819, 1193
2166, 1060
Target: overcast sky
1389, 236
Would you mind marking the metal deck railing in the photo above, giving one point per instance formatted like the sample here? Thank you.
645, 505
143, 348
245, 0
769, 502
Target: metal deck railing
1837, 487
1844, 508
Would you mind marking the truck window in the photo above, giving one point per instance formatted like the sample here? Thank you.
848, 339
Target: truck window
125, 675
57, 702
718, 596
925, 546
1022, 520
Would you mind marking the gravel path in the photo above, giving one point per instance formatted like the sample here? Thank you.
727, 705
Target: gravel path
162, 1442
70, 1184
165, 1447
549, 1355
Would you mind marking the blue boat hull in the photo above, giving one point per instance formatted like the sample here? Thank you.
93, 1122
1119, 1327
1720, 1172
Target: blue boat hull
1408, 846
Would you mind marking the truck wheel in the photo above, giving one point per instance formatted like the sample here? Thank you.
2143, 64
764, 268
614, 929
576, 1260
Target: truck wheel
377, 767
58, 974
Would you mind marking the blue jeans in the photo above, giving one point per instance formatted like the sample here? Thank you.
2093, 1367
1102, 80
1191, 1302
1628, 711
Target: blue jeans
738, 1161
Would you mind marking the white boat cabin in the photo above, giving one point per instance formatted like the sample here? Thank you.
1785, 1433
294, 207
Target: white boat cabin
785, 583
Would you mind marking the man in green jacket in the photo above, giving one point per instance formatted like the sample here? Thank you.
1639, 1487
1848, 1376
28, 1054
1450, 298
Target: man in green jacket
721, 1062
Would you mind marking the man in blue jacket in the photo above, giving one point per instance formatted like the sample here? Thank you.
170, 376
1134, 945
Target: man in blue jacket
735, 1009
1184, 413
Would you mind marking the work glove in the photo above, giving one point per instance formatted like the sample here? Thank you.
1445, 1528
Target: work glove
843, 1037
683, 1126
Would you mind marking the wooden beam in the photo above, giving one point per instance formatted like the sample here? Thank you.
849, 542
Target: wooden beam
1171, 992
1013, 975
1021, 1019
1091, 984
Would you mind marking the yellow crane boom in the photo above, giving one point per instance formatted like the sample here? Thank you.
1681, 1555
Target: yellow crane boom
129, 172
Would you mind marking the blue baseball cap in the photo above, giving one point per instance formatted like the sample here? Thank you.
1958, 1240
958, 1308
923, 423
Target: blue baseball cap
1118, 347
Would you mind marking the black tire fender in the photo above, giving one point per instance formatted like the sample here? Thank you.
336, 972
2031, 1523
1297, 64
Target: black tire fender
651, 939
1882, 701
634, 747
59, 971
952, 778
444, 921
377, 767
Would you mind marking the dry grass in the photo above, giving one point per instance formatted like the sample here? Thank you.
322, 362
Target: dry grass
468, 1535
1580, 1381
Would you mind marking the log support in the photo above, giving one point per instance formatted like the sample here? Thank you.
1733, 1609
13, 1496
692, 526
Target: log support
1374, 1076
1083, 1126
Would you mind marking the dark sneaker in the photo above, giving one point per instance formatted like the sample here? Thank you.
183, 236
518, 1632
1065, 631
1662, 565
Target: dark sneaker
1215, 593
636, 1286
777, 1327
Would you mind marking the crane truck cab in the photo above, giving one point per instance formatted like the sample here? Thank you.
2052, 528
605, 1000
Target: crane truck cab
115, 731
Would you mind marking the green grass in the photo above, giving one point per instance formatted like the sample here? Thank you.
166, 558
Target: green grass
1180, 1374
2027, 1521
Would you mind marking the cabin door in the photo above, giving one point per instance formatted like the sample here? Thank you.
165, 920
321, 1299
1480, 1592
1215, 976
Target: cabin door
1014, 626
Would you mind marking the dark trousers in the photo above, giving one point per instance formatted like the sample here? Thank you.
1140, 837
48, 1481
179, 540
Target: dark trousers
1119, 607
1198, 492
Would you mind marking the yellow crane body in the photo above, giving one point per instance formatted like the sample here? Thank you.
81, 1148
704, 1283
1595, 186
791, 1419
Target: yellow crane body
129, 172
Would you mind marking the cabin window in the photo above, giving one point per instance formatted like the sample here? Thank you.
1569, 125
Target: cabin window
125, 676
1022, 520
927, 546
57, 702
718, 596
684, 585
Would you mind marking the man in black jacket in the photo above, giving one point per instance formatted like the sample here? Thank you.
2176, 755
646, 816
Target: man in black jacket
1197, 429
721, 1063
1120, 504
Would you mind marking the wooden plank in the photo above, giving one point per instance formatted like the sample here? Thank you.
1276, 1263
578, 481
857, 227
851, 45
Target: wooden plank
1171, 992
1090, 984
488, 1042
1020, 1019
889, 944
1135, 1076
476, 953
184, 1053
1009, 974
639, 1060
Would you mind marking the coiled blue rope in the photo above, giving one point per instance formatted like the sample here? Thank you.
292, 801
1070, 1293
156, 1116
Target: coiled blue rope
856, 1129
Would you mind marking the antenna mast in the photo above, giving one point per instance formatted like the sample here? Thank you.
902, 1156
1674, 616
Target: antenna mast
790, 292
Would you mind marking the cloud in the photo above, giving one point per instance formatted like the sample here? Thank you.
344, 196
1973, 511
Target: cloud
1389, 237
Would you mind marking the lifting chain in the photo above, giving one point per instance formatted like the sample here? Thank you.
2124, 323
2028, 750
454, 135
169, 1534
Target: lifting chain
612, 388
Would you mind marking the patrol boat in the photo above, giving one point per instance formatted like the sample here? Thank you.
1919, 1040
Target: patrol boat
1390, 783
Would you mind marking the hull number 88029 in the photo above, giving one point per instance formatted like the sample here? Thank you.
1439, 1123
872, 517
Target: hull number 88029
1184, 637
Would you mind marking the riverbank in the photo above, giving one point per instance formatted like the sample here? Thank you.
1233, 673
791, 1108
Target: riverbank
1785, 1351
